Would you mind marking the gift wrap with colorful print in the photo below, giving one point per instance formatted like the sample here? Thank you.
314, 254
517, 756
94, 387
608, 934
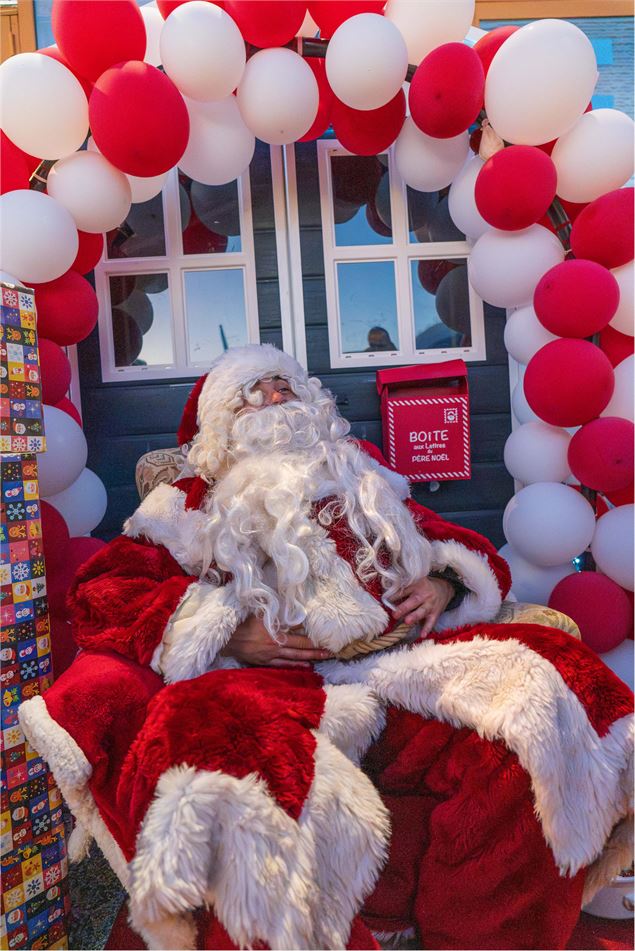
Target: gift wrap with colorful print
35, 900
21, 420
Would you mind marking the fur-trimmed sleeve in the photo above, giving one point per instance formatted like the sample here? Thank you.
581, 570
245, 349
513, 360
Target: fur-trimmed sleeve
475, 560
134, 598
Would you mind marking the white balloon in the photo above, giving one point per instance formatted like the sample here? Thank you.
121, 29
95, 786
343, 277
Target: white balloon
612, 545
38, 238
595, 156
66, 452
153, 22
278, 97
202, 50
82, 504
531, 583
96, 193
461, 203
540, 81
620, 661
424, 26
624, 316
366, 61
504, 267
548, 523
141, 189
537, 452
621, 403
524, 334
220, 146
520, 407
43, 108
425, 163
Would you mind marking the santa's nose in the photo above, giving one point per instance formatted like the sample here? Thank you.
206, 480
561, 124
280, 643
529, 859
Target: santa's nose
276, 397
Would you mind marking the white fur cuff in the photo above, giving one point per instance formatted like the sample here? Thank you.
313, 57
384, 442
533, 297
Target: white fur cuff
201, 626
483, 599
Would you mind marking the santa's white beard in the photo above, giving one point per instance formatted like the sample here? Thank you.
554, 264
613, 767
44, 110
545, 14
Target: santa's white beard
285, 458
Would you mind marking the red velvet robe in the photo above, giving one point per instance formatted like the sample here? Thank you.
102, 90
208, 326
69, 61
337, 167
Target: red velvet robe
463, 786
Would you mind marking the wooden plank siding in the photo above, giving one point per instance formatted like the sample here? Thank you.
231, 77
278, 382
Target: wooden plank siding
124, 420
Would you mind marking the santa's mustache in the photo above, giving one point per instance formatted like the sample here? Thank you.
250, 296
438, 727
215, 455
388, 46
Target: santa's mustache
285, 426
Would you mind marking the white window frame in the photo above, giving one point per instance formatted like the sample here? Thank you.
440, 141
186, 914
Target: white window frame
401, 252
175, 263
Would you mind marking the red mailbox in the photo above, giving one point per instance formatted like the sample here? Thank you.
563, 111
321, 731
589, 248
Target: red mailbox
425, 414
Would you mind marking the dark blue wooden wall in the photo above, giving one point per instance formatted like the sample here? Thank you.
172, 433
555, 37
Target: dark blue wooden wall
124, 420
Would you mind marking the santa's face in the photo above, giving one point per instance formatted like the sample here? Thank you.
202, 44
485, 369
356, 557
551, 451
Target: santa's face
270, 391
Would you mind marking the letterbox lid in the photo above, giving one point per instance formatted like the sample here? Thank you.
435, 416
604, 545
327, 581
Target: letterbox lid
447, 369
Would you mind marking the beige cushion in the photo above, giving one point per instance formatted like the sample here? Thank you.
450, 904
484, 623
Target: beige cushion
164, 465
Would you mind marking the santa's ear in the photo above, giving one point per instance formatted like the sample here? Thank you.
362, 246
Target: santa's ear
188, 427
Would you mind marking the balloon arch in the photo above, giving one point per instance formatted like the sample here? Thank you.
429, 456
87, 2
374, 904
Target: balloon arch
536, 184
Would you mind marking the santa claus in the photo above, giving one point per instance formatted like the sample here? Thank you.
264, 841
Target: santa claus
292, 710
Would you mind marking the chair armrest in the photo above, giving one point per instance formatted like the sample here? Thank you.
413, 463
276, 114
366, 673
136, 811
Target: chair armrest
515, 612
153, 468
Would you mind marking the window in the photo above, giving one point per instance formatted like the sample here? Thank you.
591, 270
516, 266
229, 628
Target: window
395, 267
177, 283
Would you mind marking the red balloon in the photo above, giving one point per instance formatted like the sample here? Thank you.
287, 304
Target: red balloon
489, 45
31, 161
446, 92
622, 496
93, 35
266, 23
55, 538
138, 119
55, 371
368, 132
615, 345
568, 382
603, 232
90, 250
600, 608
601, 454
67, 308
375, 222
576, 298
63, 647
432, 272
323, 118
515, 187
54, 53
166, 7
78, 551
329, 14
69, 407
14, 171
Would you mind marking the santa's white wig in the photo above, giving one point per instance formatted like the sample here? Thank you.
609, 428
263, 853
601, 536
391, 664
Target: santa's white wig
226, 388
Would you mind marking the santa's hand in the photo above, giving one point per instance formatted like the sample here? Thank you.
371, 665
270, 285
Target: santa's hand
424, 601
252, 644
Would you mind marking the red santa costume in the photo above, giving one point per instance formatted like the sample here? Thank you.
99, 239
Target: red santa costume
468, 787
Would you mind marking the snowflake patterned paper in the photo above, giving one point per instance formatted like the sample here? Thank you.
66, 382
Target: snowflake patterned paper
21, 417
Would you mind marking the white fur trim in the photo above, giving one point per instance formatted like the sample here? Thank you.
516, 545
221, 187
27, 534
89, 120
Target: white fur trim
163, 519
201, 626
72, 771
484, 598
582, 783
353, 718
212, 839
338, 608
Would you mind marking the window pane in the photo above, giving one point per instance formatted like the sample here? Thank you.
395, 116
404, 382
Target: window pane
210, 217
215, 312
141, 319
441, 304
141, 235
361, 200
368, 307
429, 217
